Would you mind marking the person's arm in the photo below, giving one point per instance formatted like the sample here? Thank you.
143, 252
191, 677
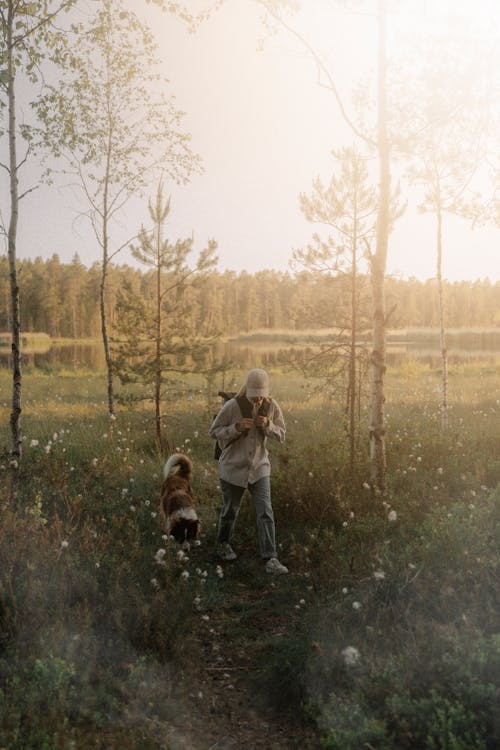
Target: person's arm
228, 425
275, 426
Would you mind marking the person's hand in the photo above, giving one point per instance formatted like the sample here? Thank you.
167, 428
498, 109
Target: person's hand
245, 424
261, 421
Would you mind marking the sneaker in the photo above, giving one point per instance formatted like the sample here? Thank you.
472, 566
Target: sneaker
226, 552
274, 566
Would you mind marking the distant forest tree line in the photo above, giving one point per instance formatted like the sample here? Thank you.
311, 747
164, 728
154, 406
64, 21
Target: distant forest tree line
62, 299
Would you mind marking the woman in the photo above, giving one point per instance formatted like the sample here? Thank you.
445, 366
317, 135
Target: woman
241, 428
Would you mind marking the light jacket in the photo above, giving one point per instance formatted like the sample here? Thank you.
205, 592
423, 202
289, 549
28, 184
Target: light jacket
244, 458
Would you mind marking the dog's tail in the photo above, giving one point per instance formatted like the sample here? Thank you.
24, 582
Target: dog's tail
178, 463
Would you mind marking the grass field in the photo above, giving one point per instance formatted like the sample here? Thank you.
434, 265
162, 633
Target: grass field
385, 634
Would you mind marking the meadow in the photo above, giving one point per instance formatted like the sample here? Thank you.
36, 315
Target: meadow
385, 635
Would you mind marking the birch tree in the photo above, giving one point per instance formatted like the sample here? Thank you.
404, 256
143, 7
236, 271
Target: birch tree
377, 138
117, 127
27, 37
447, 153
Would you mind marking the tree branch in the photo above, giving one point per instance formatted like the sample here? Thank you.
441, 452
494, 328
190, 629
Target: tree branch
42, 22
29, 190
322, 68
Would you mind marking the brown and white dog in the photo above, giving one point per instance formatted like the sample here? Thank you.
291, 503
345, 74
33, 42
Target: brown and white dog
176, 499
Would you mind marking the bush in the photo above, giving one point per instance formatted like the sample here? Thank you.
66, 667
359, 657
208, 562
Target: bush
384, 634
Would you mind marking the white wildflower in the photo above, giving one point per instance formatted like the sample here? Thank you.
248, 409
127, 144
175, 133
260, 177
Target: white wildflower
154, 583
33, 443
392, 516
366, 486
64, 544
219, 571
185, 575
356, 606
160, 554
379, 575
351, 656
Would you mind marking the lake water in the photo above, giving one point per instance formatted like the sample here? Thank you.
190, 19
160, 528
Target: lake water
463, 347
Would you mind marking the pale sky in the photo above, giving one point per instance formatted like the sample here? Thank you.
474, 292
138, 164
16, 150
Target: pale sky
265, 130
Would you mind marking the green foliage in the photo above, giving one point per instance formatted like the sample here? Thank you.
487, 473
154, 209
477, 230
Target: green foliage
112, 128
156, 336
62, 299
384, 634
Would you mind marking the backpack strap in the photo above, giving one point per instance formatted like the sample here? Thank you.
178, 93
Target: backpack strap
245, 406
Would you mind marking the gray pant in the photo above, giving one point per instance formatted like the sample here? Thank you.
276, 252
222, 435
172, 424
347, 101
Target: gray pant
261, 495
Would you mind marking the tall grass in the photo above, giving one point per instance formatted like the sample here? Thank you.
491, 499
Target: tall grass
384, 635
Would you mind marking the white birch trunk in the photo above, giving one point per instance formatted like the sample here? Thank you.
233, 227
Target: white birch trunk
15, 416
378, 264
442, 332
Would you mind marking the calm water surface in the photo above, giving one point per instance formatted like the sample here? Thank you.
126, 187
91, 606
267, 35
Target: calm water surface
473, 346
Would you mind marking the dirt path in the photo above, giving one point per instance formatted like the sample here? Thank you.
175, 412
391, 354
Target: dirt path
224, 707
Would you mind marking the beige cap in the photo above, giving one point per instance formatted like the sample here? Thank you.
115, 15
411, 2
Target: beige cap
257, 383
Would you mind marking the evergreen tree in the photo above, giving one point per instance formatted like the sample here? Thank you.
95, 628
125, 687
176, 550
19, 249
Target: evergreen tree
158, 335
347, 206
